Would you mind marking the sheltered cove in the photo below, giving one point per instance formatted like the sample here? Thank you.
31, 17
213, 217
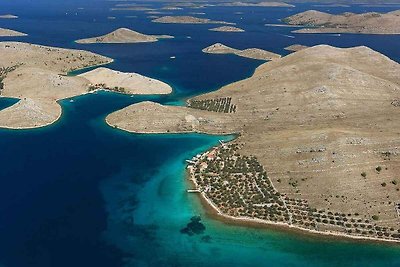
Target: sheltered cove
36, 75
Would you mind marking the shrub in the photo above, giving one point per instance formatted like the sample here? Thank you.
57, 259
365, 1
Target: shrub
375, 217
364, 174
378, 169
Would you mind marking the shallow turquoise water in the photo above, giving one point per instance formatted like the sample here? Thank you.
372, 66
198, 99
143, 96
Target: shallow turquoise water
80, 193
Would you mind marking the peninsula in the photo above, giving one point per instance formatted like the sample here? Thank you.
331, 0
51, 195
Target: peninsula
254, 53
188, 20
130, 83
36, 75
10, 33
226, 29
317, 145
123, 35
366, 23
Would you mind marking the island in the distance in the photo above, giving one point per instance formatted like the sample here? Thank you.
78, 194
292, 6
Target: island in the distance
8, 16
188, 20
366, 23
295, 47
36, 75
254, 53
259, 4
226, 29
123, 35
128, 7
317, 146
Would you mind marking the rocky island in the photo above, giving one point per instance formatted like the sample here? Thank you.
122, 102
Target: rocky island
317, 145
366, 23
36, 75
188, 20
226, 29
295, 47
254, 53
131, 8
8, 16
123, 35
259, 4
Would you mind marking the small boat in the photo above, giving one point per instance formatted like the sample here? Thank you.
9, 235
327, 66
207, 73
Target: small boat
289, 36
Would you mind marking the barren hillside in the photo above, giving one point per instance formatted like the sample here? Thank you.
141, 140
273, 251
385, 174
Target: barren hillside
324, 122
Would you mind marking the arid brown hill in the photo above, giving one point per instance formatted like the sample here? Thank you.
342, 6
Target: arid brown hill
368, 23
123, 35
324, 122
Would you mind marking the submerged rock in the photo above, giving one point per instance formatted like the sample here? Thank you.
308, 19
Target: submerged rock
194, 227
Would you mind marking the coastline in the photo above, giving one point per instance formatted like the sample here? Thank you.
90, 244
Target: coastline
57, 100
43, 125
214, 213
75, 73
72, 72
160, 133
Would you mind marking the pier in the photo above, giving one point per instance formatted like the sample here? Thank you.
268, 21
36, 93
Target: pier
193, 191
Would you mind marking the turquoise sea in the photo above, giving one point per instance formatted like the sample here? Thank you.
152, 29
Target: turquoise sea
80, 193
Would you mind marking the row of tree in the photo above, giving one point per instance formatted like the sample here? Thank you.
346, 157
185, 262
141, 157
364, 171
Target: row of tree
217, 105
3, 73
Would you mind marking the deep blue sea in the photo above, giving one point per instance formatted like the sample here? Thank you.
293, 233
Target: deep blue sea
80, 193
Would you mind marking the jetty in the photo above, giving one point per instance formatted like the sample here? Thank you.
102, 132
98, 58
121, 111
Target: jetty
193, 191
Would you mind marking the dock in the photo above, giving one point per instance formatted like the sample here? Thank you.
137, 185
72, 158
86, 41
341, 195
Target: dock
193, 191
